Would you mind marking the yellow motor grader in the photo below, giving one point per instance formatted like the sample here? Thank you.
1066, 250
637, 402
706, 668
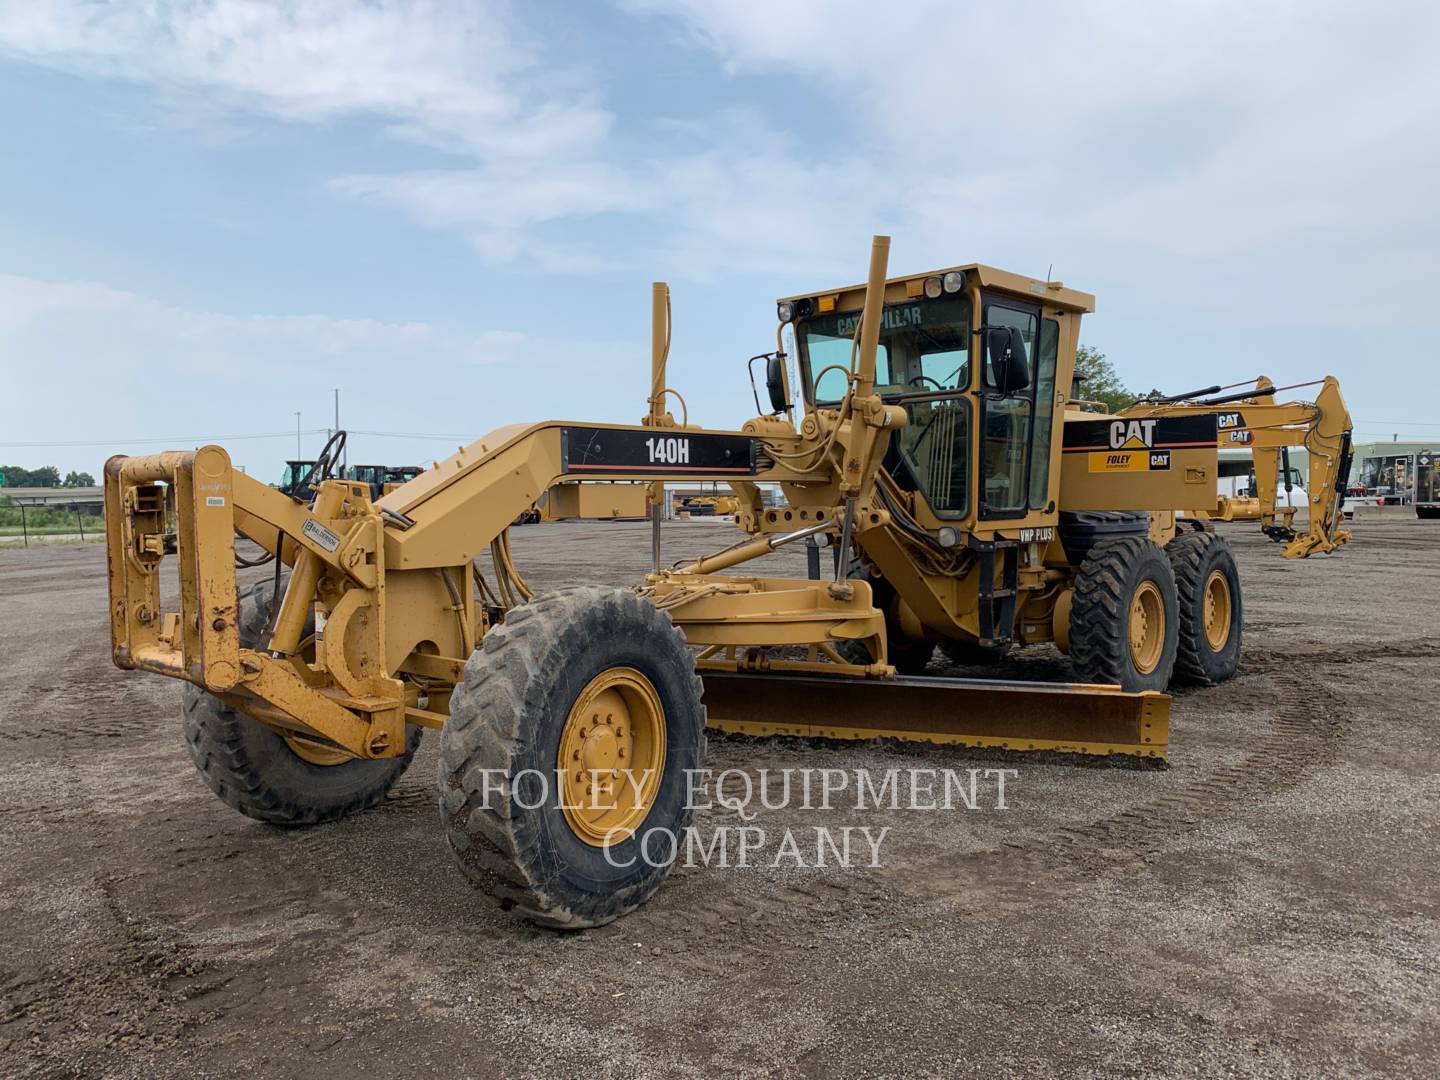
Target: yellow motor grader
970, 504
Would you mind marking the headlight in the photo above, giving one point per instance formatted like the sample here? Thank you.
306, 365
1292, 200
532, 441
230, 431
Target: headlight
954, 281
948, 536
932, 287
785, 311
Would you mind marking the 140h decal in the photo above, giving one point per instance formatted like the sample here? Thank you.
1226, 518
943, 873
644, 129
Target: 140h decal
638, 452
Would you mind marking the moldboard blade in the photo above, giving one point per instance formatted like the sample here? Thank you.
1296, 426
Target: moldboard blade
1074, 718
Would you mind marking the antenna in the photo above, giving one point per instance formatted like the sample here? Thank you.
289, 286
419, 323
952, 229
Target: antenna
1048, 272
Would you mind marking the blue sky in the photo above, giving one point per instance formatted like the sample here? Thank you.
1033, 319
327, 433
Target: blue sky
213, 213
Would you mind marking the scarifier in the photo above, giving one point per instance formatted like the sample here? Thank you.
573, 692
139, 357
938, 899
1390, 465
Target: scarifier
969, 502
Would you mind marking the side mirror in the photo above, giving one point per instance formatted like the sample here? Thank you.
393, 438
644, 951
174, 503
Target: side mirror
775, 383
1009, 370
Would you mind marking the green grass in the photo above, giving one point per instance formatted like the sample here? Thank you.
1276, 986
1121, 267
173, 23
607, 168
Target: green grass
46, 521
13, 543
92, 525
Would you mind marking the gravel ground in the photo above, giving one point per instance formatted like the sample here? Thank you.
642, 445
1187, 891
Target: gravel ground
1265, 906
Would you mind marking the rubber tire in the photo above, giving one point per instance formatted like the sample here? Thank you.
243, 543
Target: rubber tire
971, 654
1193, 557
507, 717
1427, 512
1100, 613
252, 769
907, 655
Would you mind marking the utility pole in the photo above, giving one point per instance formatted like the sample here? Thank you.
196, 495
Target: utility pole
344, 453
297, 437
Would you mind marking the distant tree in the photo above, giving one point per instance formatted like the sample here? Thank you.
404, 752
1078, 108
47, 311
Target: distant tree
78, 479
1100, 380
15, 476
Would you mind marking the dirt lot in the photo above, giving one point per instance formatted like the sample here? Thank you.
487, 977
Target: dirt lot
1267, 905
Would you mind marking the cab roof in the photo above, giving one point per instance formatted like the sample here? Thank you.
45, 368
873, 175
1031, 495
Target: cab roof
900, 289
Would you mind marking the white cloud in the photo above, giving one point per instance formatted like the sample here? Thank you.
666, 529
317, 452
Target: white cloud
1197, 130
29, 306
451, 73
1244, 169
1123, 132
497, 205
116, 362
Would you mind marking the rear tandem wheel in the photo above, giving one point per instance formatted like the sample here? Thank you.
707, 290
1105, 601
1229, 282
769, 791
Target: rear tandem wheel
1207, 584
1124, 620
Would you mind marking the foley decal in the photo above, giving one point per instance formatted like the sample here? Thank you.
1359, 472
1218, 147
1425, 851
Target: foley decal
1140, 444
1130, 461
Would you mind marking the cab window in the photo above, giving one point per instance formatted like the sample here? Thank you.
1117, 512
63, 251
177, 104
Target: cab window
830, 361
1044, 413
935, 445
924, 346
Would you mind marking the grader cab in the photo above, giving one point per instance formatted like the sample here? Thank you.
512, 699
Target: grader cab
971, 508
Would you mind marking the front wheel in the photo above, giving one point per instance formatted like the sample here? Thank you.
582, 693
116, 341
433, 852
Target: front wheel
565, 765
275, 778
973, 654
906, 656
909, 656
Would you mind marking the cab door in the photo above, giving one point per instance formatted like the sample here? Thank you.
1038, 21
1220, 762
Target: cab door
1015, 430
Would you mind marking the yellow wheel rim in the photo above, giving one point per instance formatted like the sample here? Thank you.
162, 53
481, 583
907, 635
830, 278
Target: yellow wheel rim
612, 753
1147, 627
1217, 610
313, 752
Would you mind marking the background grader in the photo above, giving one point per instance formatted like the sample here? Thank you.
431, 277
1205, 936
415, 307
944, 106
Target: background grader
971, 506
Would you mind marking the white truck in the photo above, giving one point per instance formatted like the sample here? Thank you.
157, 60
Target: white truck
1236, 480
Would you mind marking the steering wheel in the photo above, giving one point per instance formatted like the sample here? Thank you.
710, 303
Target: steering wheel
919, 379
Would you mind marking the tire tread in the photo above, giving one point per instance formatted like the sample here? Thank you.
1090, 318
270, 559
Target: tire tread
491, 714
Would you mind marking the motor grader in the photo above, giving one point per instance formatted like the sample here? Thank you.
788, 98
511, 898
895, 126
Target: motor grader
972, 506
